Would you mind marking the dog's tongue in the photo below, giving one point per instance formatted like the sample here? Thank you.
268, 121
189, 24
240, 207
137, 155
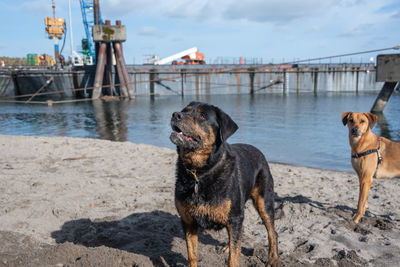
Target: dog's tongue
188, 138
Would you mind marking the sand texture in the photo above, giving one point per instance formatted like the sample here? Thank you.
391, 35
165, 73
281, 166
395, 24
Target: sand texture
85, 202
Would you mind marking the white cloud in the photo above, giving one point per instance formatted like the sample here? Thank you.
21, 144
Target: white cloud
119, 8
150, 31
396, 15
362, 18
359, 30
196, 10
310, 22
275, 11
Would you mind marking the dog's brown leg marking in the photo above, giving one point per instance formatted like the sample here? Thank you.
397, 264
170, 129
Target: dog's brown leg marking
218, 214
365, 185
258, 201
191, 234
234, 247
192, 241
183, 213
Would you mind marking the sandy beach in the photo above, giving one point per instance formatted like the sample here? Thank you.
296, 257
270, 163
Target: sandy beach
86, 202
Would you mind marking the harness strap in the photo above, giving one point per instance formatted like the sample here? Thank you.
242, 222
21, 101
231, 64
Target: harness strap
377, 151
356, 156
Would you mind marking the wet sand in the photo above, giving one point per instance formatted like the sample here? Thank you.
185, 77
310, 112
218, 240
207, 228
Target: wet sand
85, 202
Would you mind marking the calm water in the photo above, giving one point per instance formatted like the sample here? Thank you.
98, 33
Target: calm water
301, 129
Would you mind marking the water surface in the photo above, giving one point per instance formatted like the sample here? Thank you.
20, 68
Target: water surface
301, 129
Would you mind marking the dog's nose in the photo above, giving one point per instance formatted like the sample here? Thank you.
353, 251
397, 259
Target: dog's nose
354, 130
177, 115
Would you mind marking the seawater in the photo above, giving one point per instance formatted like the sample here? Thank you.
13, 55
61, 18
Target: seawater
301, 129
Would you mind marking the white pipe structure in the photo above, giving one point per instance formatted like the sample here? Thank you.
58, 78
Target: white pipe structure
76, 59
191, 52
70, 28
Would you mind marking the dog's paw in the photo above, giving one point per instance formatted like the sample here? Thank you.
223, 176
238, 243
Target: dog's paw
274, 262
356, 218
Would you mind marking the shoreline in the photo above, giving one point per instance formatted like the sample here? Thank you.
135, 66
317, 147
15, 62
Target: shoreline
166, 147
112, 202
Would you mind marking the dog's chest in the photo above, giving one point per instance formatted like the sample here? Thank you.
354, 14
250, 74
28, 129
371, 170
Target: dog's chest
210, 216
356, 163
203, 200
206, 215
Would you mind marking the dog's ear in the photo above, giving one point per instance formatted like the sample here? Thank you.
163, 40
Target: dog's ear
193, 103
190, 105
227, 126
372, 118
345, 116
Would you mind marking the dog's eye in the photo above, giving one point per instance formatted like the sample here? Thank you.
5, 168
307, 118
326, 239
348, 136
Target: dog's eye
351, 121
362, 121
202, 116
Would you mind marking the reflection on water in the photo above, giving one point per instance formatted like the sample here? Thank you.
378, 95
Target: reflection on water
111, 119
384, 125
302, 129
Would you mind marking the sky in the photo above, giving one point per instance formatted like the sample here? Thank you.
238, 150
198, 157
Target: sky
273, 31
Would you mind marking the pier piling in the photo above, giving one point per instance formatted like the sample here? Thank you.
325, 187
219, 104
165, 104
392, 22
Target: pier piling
152, 78
388, 71
251, 74
182, 81
315, 72
125, 73
105, 35
383, 97
98, 79
123, 90
285, 81
108, 70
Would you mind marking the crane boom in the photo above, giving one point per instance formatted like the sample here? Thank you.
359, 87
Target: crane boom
88, 8
189, 51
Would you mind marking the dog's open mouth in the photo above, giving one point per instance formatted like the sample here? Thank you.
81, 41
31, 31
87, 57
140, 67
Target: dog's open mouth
181, 138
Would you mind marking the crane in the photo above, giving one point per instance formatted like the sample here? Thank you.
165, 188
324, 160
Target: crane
55, 30
191, 56
88, 8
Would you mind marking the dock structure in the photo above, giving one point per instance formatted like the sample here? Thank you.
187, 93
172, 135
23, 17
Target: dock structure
151, 80
252, 79
388, 71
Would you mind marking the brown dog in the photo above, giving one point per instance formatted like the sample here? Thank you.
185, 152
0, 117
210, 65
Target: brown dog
372, 156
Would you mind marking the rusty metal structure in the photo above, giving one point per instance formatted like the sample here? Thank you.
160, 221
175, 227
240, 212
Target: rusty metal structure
109, 38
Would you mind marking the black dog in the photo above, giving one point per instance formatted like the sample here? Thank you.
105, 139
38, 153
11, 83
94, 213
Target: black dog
215, 179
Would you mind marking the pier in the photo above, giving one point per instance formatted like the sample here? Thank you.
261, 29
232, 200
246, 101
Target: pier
150, 80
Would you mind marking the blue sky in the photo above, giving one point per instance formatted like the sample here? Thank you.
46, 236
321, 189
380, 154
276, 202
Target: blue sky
274, 30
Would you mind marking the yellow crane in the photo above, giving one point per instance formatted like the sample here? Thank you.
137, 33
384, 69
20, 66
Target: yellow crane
55, 28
